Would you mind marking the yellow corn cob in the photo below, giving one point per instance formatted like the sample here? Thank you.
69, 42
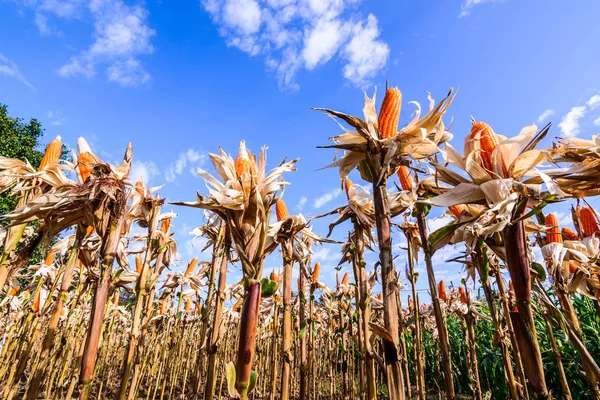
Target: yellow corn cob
316, 272
237, 305
345, 278
199, 308
243, 162
456, 210
188, 304
380, 297
406, 181
12, 291
274, 277
552, 230
569, 234
347, 186
463, 294
37, 301
165, 225
281, 210
572, 267
488, 141
191, 266
163, 305
138, 263
52, 153
589, 226
89, 230
116, 298
442, 291
85, 164
50, 257
389, 113
139, 187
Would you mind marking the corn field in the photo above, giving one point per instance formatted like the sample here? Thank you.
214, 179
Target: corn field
104, 315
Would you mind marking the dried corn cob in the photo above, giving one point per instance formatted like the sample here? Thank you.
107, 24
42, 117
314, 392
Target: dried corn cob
406, 181
569, 234
442, 291
281, 210
52, 153
243, 162
191, 266
138, 263
463, 295
316, 272
552, 230
488, 141
589, 225
389, 113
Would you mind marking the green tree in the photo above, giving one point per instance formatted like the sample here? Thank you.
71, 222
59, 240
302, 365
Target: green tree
18, 139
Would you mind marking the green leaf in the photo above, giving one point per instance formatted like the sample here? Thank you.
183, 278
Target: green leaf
253, 379
539, 270
485, 263
267, 288
303, 330
442, 236
230, 376
537, 208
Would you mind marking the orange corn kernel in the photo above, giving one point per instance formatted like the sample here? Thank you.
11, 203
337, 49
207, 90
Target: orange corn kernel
569, 234
463, 294
52, 153
138, 264
389, 114
345, 279
456, 210
316, 272
347, 186
442, 291
237, 305
243, 162
406, 181
488, 141
589, 225
191, 266
281, 210
552, 230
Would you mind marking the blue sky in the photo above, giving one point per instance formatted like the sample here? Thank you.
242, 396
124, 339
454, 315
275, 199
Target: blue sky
178, 79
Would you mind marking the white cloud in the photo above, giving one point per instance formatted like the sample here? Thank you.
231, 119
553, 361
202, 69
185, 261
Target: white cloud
594, 102
296, 34
301, 203
467, 5
366, 54
56, 118
545, 115
597, 121
437, 223
121, 34
322, 42
242, 15
570, 122
144, 171
10, 69
189, 157
327, 197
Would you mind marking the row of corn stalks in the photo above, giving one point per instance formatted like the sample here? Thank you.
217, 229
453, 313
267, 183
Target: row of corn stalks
105, 315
